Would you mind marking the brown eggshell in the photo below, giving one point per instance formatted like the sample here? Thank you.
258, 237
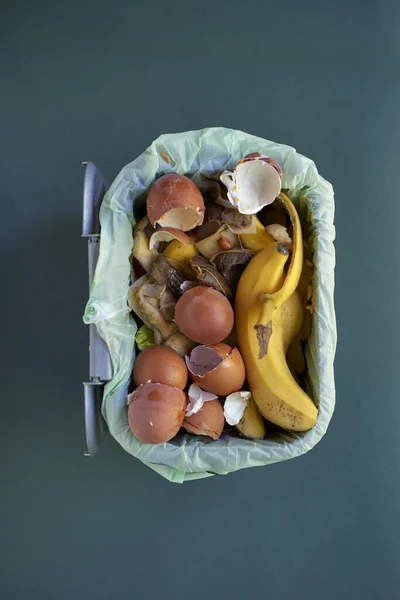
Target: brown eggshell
218, 368
204, 315
156, 412
208, 421
175, 201
160, 364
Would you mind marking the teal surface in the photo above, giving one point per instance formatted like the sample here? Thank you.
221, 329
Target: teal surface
101, 80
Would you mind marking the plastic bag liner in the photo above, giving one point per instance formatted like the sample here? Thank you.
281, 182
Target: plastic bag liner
197, 154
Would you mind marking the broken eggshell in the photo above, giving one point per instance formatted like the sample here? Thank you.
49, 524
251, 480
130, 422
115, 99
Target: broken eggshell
252, 184
167, 234
208, 421
197, 397
175, 201
156, 412
235, 405
267, 159
218, 368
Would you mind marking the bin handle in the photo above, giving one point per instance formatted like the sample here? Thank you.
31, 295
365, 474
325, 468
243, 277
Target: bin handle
100, 368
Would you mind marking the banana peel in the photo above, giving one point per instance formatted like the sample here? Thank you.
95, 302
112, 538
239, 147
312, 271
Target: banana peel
259, 239
179, 252
269, 315
251, 424
295, 355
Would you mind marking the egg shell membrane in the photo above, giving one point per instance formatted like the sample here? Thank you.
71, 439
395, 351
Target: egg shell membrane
181, 218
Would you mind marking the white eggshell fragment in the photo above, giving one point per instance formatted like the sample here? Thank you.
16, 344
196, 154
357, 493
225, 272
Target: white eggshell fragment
253, 184
235, 405
197, 397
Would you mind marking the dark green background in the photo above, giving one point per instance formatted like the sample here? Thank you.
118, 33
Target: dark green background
99, 81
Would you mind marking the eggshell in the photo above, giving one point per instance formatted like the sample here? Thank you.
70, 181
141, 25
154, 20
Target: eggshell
218, 368
253, 184
208, 421
166, 234
267, 159
156, 412
197, 398
175, 201
160, 364
204, 315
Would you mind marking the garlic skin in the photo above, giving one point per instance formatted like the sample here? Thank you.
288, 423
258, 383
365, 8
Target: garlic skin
254, 183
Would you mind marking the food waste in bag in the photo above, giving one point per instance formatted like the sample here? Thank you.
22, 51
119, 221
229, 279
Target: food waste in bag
221, 285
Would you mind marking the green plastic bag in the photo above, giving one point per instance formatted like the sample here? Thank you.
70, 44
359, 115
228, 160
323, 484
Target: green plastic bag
198, 153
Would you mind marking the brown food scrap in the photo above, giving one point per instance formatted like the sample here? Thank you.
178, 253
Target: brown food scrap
208, 275
234, 218
264, 333
167, 306
213, 220
232, 263
144, 299
216, 216
137, 270
164, 273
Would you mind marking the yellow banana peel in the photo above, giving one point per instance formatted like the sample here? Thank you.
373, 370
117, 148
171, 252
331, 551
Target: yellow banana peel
251, 425
268, 316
